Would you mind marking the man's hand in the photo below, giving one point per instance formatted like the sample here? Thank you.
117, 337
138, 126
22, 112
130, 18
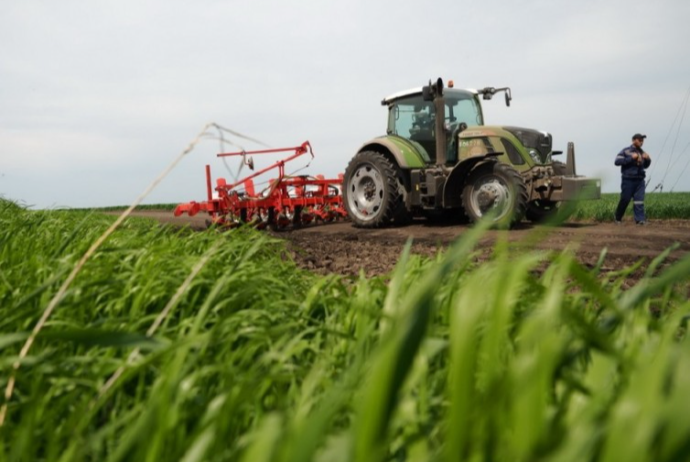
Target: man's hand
635, 156
645, 156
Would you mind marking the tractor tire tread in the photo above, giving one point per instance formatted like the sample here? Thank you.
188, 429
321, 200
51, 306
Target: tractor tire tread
394, 209
521, 195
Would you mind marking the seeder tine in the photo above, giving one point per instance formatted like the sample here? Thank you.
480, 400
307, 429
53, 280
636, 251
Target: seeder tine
190, 208
249, 187
283, 221
221, 184
307, 217
299, 190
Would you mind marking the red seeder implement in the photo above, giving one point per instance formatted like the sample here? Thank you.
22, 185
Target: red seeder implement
287, 200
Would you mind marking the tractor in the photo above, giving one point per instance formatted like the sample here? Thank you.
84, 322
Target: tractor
438, 158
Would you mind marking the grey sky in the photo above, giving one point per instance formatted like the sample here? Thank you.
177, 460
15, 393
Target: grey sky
97, 98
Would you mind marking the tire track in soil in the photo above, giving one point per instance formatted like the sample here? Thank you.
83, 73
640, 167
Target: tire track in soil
343, 249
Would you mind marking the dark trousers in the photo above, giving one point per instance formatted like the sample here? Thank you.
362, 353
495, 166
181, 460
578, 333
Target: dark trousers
632, 188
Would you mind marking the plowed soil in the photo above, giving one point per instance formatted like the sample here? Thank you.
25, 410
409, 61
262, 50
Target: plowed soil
341, 248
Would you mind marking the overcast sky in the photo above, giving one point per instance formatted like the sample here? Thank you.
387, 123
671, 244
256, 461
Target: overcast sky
98, 97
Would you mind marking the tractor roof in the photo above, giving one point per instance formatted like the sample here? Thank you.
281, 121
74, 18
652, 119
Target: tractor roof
418, 91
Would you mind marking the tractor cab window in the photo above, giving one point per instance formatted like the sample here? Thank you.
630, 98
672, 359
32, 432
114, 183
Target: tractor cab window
414, 119
409, 116
459, 110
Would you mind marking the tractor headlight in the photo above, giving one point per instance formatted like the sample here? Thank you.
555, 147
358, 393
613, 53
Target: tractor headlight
535, 156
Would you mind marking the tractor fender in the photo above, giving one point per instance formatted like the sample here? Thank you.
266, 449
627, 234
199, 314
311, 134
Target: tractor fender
452, 191
400, 150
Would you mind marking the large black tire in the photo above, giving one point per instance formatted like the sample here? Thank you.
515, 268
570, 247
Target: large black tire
495, 187
540, 211
374, 192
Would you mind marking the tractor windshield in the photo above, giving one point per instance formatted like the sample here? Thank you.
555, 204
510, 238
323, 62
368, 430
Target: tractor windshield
413, 118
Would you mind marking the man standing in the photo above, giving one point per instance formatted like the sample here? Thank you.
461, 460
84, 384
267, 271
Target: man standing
633, 162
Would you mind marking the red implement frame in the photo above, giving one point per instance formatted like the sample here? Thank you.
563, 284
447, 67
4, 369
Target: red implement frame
288, 200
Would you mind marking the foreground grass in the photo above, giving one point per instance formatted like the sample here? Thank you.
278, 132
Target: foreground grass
525, 357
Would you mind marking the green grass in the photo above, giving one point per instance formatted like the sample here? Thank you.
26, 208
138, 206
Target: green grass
658, 206
527, 356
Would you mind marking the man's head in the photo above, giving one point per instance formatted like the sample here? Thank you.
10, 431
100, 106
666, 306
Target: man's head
638, 139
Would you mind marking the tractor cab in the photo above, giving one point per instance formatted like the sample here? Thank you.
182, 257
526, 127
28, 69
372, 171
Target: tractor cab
413, 117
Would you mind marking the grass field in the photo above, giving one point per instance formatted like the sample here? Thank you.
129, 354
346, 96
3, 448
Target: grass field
175, 345
119, 208
659, 206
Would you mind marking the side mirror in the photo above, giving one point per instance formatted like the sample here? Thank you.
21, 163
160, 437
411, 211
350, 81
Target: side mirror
488, 92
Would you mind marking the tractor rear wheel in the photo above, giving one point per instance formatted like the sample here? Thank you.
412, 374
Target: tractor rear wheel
495, 187
374, 192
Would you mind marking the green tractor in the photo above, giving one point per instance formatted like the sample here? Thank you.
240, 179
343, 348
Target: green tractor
429, 165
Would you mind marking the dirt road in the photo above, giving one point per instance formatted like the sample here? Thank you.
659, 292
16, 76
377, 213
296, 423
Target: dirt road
341, 248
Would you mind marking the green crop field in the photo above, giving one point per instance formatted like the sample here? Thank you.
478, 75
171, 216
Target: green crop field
121, 208
658, 206
179, 345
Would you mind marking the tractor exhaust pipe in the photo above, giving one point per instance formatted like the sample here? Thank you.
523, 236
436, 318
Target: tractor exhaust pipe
440, 108
434, 92
570, 160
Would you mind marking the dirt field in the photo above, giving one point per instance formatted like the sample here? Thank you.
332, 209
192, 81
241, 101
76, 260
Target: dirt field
341, 248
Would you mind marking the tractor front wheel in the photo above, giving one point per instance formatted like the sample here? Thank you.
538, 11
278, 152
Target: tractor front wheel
539, 211
495, 188
374, 192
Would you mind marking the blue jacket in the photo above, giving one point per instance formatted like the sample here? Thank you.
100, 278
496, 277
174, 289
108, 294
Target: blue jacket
629, 167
